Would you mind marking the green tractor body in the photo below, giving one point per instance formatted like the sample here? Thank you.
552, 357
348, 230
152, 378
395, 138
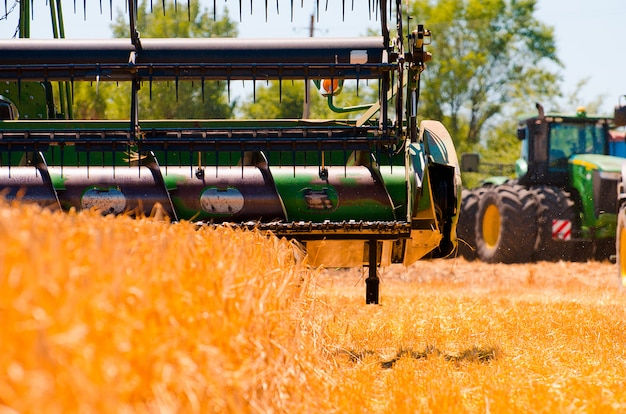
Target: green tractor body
373, 190
560, 206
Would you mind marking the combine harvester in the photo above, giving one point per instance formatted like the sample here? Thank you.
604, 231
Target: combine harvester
370, 191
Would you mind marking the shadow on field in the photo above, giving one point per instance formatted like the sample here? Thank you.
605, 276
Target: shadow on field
474, 354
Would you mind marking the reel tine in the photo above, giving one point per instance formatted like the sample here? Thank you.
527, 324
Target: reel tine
306, 84
113, 153
85, 10
266, 11
19, 86
111, 9
217, 160
150, 81
163, 4
202, 84
242, 155
199, 168
61, 155
280, 85
175, 6
228, 82
291, 11
100, 6
151, 7
254, 83
74, 6
188, 10
215, 11
176, 83
88, 158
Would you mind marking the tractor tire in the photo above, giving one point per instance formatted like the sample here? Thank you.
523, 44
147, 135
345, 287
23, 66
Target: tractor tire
466, 227
506, 228
620, 244
553, 204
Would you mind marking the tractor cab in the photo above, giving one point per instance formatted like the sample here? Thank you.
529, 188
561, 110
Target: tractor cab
551, 141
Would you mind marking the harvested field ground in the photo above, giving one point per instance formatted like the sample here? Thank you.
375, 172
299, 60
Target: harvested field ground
120, 315
455, 336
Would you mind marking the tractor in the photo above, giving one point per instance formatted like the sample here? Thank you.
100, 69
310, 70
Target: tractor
376, 189
561, 205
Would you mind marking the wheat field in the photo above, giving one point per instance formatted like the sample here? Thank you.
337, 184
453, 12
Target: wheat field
116, 315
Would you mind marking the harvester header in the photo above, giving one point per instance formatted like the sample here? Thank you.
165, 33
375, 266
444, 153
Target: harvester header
371, 188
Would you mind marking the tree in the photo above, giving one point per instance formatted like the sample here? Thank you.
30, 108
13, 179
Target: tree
276, 101
286, 101
489, 56
164, 100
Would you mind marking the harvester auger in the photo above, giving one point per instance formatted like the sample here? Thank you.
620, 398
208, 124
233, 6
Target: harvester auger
369, 191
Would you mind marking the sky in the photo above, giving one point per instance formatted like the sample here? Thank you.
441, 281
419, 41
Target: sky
589, 34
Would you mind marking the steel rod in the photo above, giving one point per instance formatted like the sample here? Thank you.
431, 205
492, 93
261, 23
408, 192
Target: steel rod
372, 282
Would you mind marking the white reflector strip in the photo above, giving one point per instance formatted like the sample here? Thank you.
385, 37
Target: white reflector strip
562, 229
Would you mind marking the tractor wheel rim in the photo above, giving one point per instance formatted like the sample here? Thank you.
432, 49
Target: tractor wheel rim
491, 226
622, 254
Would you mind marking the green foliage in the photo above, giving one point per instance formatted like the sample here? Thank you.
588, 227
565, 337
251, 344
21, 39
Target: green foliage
175, 21
285, 100
488, 56
162, 100
498, 153
276, 101
89, 101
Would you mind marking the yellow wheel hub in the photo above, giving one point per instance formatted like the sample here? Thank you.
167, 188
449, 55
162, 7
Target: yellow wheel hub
491, 226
